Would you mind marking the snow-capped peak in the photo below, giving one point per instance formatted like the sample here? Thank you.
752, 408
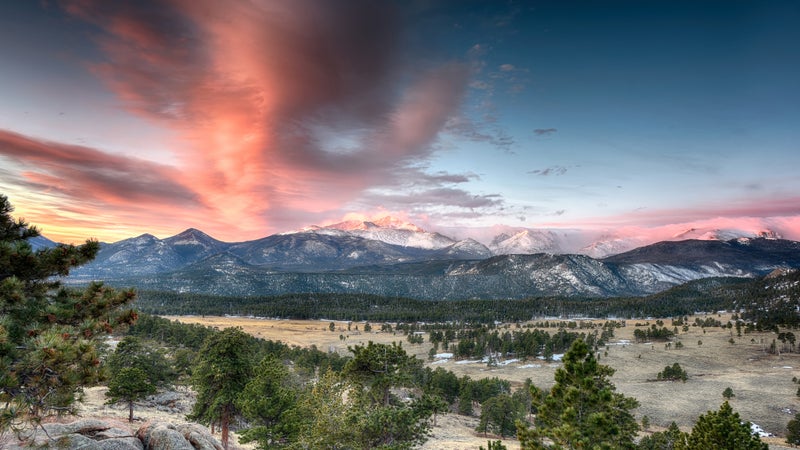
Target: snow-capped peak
525, 241
725, 234
388, 229
387, 222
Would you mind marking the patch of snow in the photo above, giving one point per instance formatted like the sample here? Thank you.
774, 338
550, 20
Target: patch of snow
757, 430
443, 355
530, 366
507, 362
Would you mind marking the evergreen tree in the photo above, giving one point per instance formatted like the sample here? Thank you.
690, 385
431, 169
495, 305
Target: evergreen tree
48, 347
722, 430
499, 415
493, 445
664, 440
269, 402
128, 385
379, 367
222, 370
376, 418
133, 352
329, 414
728, 393
793, 430
582, 409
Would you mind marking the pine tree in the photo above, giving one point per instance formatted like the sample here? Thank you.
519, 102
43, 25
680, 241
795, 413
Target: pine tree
329, 412
793, 430
670, 439
270, 403
48, 333
128, 385
379, 367
220, 374
499, 415
378, 418
148, 357
582, 410
728, 393
722, 430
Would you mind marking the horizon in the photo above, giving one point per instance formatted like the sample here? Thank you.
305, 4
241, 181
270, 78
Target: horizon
571, 241
247, 119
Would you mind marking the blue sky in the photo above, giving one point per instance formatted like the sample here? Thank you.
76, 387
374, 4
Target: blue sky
259, 117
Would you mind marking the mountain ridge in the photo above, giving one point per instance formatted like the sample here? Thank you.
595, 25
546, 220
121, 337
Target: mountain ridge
330, 259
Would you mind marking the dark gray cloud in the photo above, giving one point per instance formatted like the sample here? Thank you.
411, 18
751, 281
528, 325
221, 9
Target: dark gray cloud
544, 131
553, 170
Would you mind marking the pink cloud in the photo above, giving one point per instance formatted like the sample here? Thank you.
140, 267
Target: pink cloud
249, 87
88, 173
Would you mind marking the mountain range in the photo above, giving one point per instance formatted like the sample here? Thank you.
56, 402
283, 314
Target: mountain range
394, 258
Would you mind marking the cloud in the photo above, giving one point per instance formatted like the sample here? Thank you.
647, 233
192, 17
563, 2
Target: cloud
487, 132
443, 196
553, 170
77, 171
544, 131
507, 67
279, 106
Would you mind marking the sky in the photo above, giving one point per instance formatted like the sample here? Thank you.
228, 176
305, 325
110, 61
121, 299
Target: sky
248, 118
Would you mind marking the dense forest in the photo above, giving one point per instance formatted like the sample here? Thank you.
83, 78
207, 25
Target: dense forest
768, 300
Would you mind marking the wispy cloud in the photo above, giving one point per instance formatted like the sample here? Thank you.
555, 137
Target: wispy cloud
76, 171
544, 131
552, 170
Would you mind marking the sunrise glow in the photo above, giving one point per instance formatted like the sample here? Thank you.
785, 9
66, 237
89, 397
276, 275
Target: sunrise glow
244, 119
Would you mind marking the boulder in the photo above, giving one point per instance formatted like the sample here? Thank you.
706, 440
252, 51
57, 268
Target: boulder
95, 434
84, 434
168, 436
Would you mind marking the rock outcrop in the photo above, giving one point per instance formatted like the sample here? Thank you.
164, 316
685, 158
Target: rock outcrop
95, 434
168, 436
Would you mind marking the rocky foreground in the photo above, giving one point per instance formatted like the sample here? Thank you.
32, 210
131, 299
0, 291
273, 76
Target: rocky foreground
110, 434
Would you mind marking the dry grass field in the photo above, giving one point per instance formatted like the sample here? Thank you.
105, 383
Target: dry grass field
762, 383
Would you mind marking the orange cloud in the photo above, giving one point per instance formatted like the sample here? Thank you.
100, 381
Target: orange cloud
255, 90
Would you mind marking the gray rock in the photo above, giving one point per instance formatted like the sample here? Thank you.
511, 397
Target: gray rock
84, 434
168, 436
199, 437
74, 442
94, 434
126, 443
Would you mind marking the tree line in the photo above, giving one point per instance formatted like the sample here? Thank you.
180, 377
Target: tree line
374, 308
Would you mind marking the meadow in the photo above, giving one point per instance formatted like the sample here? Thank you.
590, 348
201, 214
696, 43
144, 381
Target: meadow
714, 357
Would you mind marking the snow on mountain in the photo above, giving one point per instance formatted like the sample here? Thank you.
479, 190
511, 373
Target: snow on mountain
193, 236
717, 234
390, 230
467, 249
611, 245
526, 241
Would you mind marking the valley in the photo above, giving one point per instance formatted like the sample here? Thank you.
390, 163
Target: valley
762, 383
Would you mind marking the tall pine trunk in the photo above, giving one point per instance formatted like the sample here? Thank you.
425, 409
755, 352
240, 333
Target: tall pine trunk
130, 410
224, 421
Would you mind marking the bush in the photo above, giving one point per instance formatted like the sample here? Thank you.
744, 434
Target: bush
673, 373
